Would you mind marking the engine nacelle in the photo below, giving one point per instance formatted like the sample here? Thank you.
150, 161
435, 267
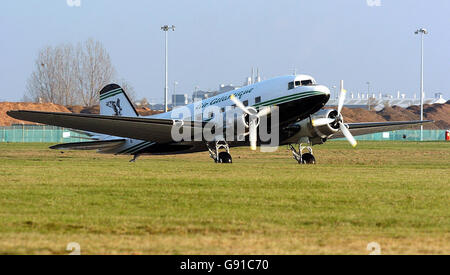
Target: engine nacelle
319, 134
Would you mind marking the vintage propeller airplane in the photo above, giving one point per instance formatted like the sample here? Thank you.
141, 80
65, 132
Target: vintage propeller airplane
298, 99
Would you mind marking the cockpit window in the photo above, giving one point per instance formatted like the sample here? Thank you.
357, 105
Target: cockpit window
307, 82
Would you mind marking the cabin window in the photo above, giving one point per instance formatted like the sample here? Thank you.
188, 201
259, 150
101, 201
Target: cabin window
257, 100
291, 85
245, 103
298, 83
222, 110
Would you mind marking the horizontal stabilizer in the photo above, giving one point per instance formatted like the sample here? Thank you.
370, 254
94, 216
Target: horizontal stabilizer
90, 145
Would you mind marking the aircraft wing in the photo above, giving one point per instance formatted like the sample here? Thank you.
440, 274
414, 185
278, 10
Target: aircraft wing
148, 129
90, 145
358, 129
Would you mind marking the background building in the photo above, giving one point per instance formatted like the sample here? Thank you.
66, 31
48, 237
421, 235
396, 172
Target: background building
180, 100
380, 101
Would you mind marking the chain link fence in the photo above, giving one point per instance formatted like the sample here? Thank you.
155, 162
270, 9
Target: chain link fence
405, 135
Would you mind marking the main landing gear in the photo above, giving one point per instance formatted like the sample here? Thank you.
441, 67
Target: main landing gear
300, 156
219, 157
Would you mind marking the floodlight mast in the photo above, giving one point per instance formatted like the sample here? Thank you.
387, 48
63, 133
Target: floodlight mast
421, 31
166, 28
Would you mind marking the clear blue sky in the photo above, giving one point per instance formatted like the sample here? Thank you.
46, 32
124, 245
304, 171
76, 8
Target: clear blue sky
219, 41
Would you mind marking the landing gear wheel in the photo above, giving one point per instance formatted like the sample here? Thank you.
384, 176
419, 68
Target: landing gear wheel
308, 158
224, 157
219, 157
303, 158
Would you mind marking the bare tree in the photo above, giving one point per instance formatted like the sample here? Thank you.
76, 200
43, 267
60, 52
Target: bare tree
53, 77
69, 75
95, 70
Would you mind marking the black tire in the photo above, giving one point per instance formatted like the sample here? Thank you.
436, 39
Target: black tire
308, 159
224, 157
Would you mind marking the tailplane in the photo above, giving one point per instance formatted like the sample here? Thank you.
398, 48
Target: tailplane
115, 102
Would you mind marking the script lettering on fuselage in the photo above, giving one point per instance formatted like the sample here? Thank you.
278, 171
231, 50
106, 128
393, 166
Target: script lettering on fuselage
219, 99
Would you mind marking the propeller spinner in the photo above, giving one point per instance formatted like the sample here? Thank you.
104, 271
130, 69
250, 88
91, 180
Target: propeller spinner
338, 120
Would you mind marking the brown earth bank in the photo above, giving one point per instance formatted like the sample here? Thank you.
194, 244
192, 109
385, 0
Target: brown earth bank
439, 113
6, 120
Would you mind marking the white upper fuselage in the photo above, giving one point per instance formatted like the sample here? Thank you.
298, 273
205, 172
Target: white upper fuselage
270, 92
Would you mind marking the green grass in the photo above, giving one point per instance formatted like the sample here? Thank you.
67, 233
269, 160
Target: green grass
393, 193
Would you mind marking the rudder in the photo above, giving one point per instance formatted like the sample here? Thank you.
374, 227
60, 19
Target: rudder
115, 102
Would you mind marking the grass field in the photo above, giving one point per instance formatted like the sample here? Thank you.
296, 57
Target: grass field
393, 193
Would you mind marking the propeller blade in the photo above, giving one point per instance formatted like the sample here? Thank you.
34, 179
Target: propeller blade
321, 121
265, 111
239, 104
347, 134
341, 100
253, 133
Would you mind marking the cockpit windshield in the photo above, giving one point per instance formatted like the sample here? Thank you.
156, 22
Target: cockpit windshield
305, 82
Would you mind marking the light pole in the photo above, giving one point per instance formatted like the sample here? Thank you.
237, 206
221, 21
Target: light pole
422, 31
368, 94
334, 91
166, 28
175, 83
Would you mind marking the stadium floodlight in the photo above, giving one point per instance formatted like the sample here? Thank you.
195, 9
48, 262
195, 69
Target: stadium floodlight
166, 28
421, 31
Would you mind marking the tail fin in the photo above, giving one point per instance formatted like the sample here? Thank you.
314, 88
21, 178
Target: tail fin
115, 102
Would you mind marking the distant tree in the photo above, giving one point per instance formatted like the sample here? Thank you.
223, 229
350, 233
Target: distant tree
69, 75
94, 70
53, 79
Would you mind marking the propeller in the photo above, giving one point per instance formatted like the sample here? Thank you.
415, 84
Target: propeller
254, 117
339, 119
326, 121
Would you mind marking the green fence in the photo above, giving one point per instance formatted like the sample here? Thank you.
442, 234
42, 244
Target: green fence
39, 133
407, 135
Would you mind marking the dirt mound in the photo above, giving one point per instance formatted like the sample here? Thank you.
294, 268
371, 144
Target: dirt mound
440, 113
396, 113
144, 111
76, 109
6, 120
361, 115
91, 110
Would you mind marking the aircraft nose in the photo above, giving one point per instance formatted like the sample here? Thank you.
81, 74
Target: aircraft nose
323, 89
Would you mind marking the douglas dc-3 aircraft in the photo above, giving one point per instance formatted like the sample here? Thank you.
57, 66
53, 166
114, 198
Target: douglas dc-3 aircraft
299, 100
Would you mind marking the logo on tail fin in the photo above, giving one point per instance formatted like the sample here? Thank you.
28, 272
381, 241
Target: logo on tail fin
115, 105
